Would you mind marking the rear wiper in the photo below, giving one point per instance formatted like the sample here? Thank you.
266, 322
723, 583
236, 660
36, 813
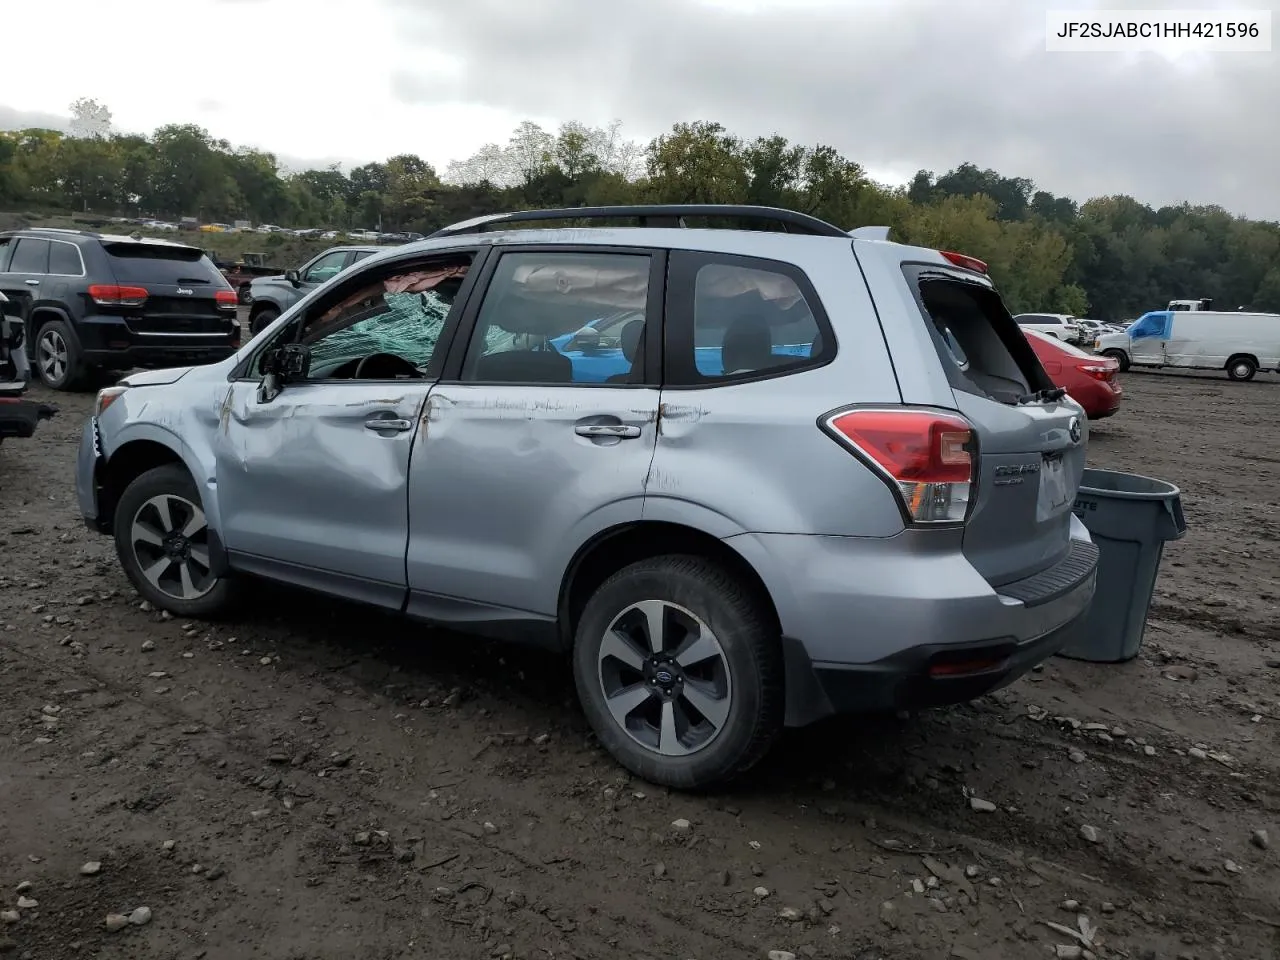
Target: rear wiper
192, 280
1047, 395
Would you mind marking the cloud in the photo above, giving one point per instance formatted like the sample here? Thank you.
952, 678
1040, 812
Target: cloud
891, 83
11, 119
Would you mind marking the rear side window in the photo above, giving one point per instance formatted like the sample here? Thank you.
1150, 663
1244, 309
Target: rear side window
159, 263
735, 318
30, 256
64, 259
980, 345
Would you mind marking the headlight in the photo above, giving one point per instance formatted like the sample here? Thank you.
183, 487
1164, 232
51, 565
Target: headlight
106, 397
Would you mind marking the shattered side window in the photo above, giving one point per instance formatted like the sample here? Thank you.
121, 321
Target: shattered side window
405, 324
401, 315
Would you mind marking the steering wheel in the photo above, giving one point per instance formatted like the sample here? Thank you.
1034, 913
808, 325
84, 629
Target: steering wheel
385, 366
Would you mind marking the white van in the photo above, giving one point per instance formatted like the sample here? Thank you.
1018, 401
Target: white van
1240, 343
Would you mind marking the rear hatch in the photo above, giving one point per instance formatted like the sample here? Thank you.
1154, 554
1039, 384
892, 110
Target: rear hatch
167, 289
1029, 434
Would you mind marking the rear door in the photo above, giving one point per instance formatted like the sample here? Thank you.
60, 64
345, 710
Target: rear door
170, 290
525, 453
1030, 441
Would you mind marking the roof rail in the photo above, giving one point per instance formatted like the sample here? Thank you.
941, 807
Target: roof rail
653, 215
56, 230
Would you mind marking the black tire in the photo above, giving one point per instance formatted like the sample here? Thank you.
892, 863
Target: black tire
172, 482
1242, 368
750, 654
242, 294
259, 320
55, 354
1119, 356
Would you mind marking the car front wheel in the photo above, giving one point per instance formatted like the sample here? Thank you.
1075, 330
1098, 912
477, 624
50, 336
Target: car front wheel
679, 672
162, 540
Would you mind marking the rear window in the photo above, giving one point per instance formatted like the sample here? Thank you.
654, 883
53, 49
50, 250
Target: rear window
979, 343
156, 263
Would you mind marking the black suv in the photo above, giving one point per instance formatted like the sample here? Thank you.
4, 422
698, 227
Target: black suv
96, 301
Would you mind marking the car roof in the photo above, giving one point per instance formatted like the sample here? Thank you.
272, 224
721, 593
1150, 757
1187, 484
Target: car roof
62, 233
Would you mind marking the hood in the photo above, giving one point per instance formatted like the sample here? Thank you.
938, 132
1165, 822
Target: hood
155, 378
274, 276
1109, 339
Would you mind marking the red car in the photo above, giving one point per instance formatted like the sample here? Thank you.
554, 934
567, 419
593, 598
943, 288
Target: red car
1089, 380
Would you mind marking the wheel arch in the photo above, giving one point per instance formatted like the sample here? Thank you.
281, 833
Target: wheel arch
42, 314
621, 545
1236, 357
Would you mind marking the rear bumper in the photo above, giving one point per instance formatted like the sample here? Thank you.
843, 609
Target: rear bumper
906, 622
906, 681
1099, 399
108, 341
158, 357
18, 418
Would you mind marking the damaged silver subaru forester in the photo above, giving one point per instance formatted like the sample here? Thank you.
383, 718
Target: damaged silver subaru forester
748, 478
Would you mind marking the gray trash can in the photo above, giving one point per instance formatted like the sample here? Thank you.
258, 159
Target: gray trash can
1130, 518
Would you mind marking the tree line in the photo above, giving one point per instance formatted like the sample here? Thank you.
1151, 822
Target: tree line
1109, 258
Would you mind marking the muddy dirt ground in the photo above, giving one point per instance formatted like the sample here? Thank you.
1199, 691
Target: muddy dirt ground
319, 781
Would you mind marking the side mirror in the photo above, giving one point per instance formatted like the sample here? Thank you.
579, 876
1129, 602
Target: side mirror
284, 364
293, 277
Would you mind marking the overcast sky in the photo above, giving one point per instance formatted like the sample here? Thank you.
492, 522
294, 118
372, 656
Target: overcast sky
898, 85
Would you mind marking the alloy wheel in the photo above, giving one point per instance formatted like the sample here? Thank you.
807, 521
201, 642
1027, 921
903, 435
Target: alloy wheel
52, 355
665, 678
170, 539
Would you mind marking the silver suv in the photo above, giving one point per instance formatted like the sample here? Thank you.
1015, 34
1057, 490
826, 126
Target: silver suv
748, 478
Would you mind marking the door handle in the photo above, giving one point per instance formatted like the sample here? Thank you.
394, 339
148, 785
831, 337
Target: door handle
623, 431
399, 426
32, 283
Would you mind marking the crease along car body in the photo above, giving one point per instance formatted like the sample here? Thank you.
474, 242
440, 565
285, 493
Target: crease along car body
743, 478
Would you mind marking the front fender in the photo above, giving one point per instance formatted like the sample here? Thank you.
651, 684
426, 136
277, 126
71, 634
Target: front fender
185, 424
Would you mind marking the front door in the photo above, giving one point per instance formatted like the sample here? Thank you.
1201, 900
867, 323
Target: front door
528, 449
312, 481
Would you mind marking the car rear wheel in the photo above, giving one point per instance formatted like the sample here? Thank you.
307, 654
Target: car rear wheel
57, 356
162, 540
1241, 368
261, 320
679, 672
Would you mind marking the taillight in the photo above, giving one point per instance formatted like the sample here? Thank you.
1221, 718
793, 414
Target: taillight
226, 299
927, 456
961, 260
1103, 370
113, 295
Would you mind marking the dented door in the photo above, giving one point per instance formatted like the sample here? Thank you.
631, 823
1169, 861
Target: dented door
511, 480
312, 484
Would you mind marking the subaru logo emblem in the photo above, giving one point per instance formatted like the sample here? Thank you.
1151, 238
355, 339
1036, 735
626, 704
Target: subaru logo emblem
663, 677
1074, 429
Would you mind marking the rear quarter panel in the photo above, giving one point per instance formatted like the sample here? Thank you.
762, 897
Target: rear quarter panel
750, 457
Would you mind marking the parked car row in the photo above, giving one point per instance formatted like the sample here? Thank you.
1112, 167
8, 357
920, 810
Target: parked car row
308, 233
